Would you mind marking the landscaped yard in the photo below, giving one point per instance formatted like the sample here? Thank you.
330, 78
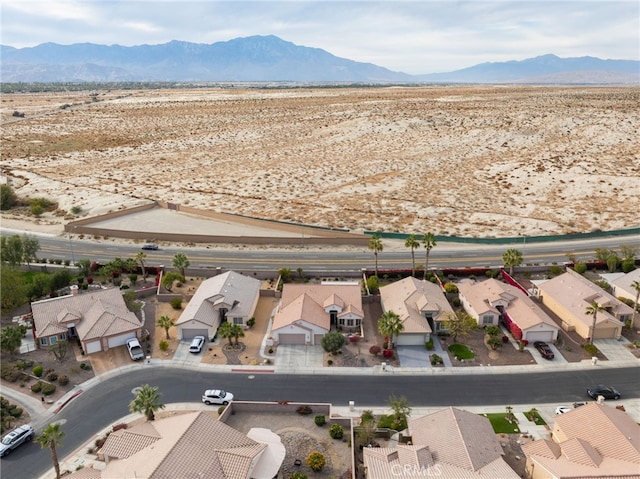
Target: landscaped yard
461, 351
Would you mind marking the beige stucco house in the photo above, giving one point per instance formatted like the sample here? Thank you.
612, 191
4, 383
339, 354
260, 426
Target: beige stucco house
309, 311
487, 300
622, 286
229, 297
591, 441
570, 294
450, 444
98, 317
422, 307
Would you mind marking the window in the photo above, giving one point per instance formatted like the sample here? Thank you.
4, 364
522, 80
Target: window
487, 319
53, 340
62, 336
349, 322
44, 341
238, 320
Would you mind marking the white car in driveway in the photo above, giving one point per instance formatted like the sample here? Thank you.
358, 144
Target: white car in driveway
196, 344
562, 410
217, 396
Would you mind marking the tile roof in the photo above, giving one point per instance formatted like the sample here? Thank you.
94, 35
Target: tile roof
575, 292
409, 298
521, 309
594, 440
236, 292
96, 314
308, 302
624, 283
186, 445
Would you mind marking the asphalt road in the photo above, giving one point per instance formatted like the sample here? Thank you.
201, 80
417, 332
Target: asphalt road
444, 255
107, 402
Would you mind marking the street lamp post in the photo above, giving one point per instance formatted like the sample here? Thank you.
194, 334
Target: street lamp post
73, 258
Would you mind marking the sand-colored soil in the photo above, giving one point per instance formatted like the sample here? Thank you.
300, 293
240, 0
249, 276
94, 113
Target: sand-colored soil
469, 161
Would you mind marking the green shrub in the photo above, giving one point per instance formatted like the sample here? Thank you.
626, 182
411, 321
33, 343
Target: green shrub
436, 360
591, 349
251, 322
316, 461
429, 344
320, 420
53, 376
163, 345
367, 416
63, 380
450, 288
36, 387
48, 389
389, 421
580, 267
456, 302
15, 411
37, 371
336, 431
176, 303
556, 270
298, 475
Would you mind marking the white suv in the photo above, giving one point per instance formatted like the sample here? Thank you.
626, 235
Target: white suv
15, 438
196, 344
217, 396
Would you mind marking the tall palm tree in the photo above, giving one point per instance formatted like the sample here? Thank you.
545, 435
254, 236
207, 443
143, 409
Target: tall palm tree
412, 242
592, 310
50, 437
166, 323
375, 245
140, 257
225, 331
237, 331
147, 402
181, 262
428, 241
511, 258
390, 325
635, 285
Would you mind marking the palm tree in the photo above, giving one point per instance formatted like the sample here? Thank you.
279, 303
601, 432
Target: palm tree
511, 258
140, 257
181, 262
147, 402
226, 331
635, 285
592, 310
237, 331
412, 242
50, 437
375, 245
428, 241
166, 323
390, 325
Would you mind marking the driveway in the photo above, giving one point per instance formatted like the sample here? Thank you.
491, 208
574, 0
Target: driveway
182, 354
290, 357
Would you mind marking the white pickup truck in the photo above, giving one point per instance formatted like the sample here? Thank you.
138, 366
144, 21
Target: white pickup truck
135, 349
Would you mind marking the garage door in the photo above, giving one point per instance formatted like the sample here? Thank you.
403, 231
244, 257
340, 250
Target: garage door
93, 347
120, 340
192, 333
291, 339
411, 340
546, 336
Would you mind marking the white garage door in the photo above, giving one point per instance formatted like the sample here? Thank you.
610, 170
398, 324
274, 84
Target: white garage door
93, 347
291, 339
192, 333
411, 340
120, 340
546, 336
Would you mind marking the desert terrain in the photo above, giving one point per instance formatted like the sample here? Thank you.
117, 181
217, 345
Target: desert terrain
466, 161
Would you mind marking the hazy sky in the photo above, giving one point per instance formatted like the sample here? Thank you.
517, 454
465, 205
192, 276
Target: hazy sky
409, 36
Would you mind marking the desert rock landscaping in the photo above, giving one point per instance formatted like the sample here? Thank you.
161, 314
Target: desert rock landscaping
466, 161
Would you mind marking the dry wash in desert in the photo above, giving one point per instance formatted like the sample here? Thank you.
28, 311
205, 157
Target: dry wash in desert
469, 161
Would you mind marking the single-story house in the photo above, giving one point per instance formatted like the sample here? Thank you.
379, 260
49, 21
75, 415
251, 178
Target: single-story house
193, 444
594, 440
309, 311
486, 301
448, 443
422, 306
99, 318
622, 286
570, 294
229, 296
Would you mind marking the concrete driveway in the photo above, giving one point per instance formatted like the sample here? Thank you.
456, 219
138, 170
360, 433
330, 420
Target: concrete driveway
182, 354
291, 357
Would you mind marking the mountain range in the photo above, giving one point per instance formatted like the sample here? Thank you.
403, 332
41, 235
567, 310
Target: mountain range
271, 59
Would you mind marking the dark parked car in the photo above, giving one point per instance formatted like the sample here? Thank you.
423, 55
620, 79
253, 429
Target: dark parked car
544, 349
605, 391
150, 246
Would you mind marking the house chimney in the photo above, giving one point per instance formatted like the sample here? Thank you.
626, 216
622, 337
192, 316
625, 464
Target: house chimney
74, 289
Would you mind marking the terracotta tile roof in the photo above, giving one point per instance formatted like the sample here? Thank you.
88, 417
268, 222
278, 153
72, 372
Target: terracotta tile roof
307, 302
97, 313
521, 309
186, 445
234, 291
410, 298
449, 444
575, 292
592, 441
